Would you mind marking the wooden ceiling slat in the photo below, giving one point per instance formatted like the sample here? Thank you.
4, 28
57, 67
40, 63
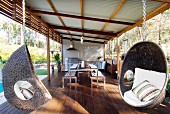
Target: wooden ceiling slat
5, 6
75, 39
32, 21
20, 4
83, 30
81, 17
166, 1
84, 36
150, 15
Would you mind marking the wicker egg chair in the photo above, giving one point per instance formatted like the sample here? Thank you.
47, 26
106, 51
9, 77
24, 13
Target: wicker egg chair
20, 68
146, 55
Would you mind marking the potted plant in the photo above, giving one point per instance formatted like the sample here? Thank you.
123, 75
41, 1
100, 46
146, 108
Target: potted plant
99, 57
58, 61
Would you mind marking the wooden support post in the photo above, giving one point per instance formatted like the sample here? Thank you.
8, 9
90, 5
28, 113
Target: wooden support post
48, 56
118, 56
104, 49
62, 53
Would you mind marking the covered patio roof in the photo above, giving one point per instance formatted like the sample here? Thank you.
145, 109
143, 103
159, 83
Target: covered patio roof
98, 21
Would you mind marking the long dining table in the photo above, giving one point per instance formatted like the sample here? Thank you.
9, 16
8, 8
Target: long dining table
88, 68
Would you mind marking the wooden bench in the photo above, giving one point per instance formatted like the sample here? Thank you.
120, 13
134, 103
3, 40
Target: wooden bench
69, 75
100, 77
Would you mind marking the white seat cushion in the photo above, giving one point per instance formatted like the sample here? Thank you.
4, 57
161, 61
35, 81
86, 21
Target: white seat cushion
140, 76
74, 66
100, 74
132, 99
92, 66
73, 73
157, 79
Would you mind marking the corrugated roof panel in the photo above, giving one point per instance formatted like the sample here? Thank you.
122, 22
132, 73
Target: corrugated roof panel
88, 34
67, 6
63, 31
77, 33
51, 19
115, 27
100, 8
93, 25
132, 10
70, 22
39, 4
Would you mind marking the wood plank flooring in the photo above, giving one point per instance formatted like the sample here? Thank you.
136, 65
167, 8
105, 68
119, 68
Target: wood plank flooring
82, 99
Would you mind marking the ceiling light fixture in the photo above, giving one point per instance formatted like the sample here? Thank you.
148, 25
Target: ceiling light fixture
81, 40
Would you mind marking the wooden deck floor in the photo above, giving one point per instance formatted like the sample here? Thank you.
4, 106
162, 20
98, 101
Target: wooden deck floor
83, 99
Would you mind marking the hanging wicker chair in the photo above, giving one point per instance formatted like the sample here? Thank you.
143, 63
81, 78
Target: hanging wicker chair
20, 68
149, 56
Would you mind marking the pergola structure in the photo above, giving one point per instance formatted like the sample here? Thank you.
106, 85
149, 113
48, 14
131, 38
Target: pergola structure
98, 21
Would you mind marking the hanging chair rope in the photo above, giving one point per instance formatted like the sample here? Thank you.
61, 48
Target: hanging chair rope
144, 20
23, 41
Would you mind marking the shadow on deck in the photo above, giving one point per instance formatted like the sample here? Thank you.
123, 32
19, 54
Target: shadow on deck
81, 98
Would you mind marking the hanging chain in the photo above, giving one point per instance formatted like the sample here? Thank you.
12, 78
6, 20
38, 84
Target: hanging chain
144, 20
23, 23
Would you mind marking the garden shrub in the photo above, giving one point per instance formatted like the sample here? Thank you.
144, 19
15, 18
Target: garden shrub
36, 54
168, 89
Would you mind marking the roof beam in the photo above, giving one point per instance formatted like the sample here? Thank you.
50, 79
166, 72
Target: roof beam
82, 14
166, 1
114, 13
148, 16
84, 40
83, 30
81, 17
55, 10
84, 36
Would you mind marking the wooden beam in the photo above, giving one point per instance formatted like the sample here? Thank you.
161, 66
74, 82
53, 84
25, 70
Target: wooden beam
83, 30
104, 48
55, 10
30, 19
82, 14
84, 36
75, 39
157, 11
165, 1
114, 13
82, 17
48, 56
118, 58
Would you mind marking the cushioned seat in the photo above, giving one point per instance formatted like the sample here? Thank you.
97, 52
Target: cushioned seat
142, 75
74, 66
132, 99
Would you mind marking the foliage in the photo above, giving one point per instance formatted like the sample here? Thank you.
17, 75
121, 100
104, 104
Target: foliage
99, 57
36, 53
169, 70
57, 57
168, 89
12, 32
41, 71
